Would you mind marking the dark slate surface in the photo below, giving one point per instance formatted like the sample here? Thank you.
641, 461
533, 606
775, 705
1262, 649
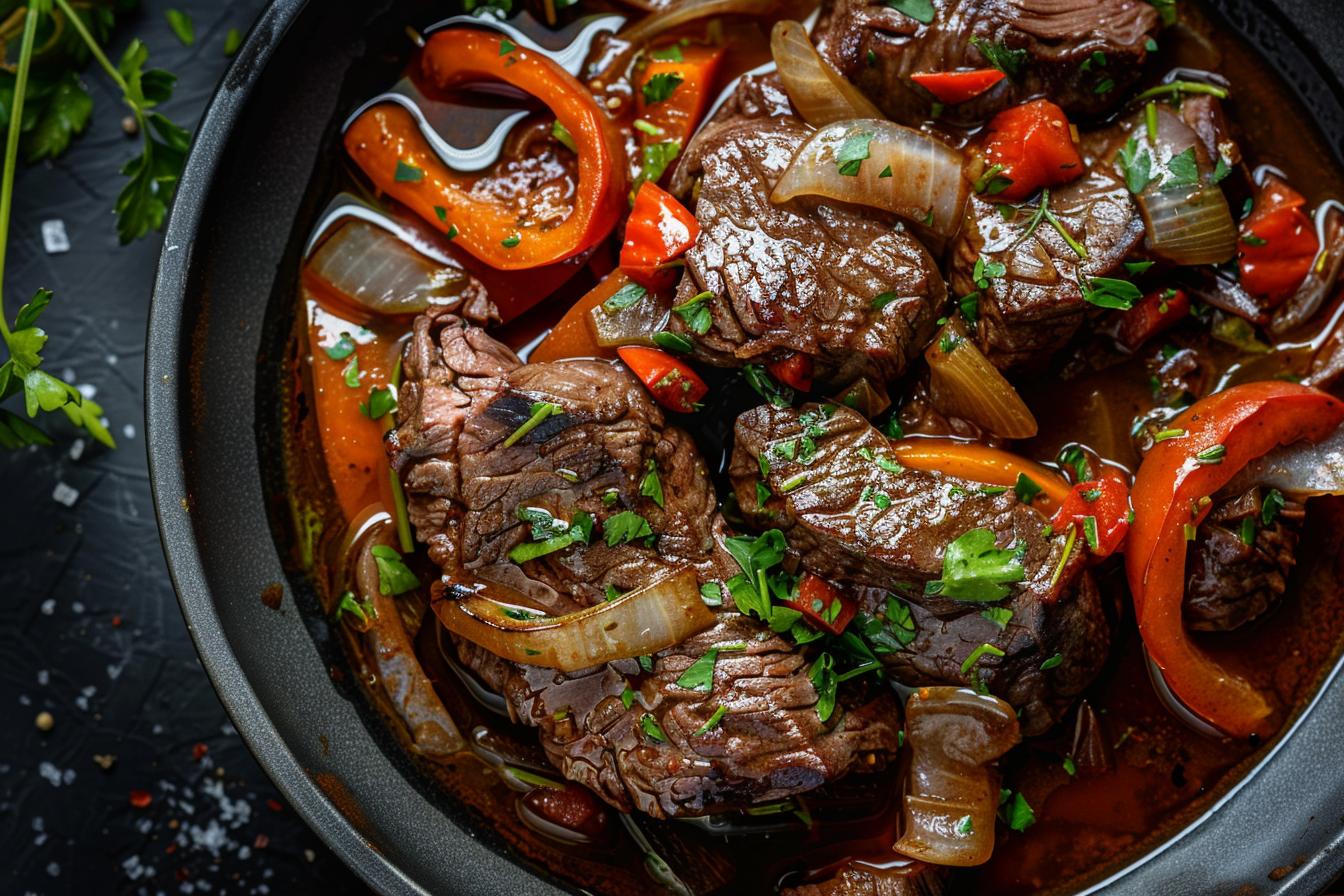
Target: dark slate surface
89, 627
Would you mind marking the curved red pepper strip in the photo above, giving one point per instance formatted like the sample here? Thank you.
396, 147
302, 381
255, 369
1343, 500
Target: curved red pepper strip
1278, 242
1248, 421
387, 145
1104, 501
659, 230
957, 87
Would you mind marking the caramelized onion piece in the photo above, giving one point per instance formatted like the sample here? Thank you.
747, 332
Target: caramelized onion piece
1187, 225
1301, 470
820, 93
962, 383
1091, 749
923, 179
638, 623
649, 27
951, 790
376, 270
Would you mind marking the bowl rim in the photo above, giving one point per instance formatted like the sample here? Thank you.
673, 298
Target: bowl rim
168, 483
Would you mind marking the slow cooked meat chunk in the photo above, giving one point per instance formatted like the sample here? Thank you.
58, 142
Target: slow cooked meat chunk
1083, 54
624, 729
1037, 306
802, 276
855, 516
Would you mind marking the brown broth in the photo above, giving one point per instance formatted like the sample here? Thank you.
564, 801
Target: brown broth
1089, 824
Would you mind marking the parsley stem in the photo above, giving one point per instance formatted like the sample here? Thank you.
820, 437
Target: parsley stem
78, 24
1175, 87
12, 149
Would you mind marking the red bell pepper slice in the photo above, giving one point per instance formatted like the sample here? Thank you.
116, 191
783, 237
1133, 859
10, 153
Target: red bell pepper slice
385, 142
795, 371
957, 87
1155, 313
1278, 242
671, 382
659, 230
1034, 145
1220, 435
1100, 510
672, 119
822, 604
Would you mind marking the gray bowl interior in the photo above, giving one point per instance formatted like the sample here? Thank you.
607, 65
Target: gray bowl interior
217, 321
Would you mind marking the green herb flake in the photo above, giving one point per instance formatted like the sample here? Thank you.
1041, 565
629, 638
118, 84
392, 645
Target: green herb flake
660, 86
1017, 814
563, 136
1000, 616
394, 577
539, 411
699, 676
341, 349
233, 39
652, 730
1026, 488
510, 242
408, 173
695, 313
625, 527
999, 55
651, 486
673, 342
852, 152
975, 569
381, 402
1182, 171
1110, 292
182, 26
627, 296
886, 172
712, 594
919, 10
506, 47
1214, 454
351, 372
1052, 663
964, 827
1270, 506
974, 657
669, 53
627, 696
712, 722
826, 683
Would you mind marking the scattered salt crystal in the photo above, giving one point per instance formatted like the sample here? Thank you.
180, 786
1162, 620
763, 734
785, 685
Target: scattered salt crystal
39, 823
48, 607
43, 677
145, 825
114, 672
54, 238
50, 773
82, 702
112, 360
128, 431
88, 390
65, 494
77, 607
39, 839
54, 869
25, 700
76, 449
68, 777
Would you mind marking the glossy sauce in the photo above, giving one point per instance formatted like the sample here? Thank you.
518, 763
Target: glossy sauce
1162, 775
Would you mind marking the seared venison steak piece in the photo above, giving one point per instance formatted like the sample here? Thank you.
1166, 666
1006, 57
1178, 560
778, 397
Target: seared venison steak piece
1048, 47
855, 516
805, 276
625, 729
1030, 312
1239, 567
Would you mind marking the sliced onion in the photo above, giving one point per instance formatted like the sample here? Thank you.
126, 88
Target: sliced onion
820, 93
952, 790
1301, 470
649, 27
962, 383
926, 177
639, 623
1319, 284
376, 270
635, 324
1186, 225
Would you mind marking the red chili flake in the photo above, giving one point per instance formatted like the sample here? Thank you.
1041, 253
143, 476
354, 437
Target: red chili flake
274, 805
116, 619
141, 799
261, 842
198, 752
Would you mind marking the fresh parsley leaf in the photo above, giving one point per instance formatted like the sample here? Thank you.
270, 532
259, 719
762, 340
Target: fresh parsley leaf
506, 46
919, 10
826, 683
182, 26
656, 158
975, 569
1016, 812
408, 173
651, 486
992, 182
1137, 267
232, 41
351, 608
669, 53
351, 372
394, 577
660, 86
853, 150
651, 728
699, 676
695, 313
999, 55
1182, 170
1026, 488
627, 696
381, 403
341, 349
625, 527
1072, 456
1000, 616
61, 113
1052, 663
1270, 506
1110, 292
1136, 166
712, 594
627, 296
712, 722
777, 395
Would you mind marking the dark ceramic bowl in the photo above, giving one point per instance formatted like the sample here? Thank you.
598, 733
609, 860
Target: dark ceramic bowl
220, 307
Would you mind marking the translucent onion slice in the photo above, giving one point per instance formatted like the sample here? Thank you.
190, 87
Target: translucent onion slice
820, 93
964, 384
376, 270
951, 788
1186, 225
649, 27
1301, 470
639, 623
925, 183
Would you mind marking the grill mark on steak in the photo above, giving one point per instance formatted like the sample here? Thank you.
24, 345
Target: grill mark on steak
842, 537
1057, 35
802, 276
463, 394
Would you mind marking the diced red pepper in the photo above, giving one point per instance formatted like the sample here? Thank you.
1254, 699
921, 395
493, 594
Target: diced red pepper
674, 119
957, 87
822, 604
1034, 144
1278, 242
672, 382
1100, 508
795, 371
659, 230
1157, 312
1217, 437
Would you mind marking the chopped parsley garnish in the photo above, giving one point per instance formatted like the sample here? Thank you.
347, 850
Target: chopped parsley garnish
964, 827
793, 483
712, 722
1000, 616
974, 657
1166, 10
849, 157
181, 25
1072, 456
992, 182
871, 495
1182, 170
699, 676
341, 349
882, 300
757, 556
648, 127
695, 313
1111, 292
364, 611
826, 683
381, 403
652, 730
1165, 434
1136, 165
1248, 531
1015, 811
563, 136
975, 569
1069, 766
712, 594
759, 379
1051, 663
985, 271
656, 158
407, 173
512, 241
919, 10
1220, 170
660, 86
627, 696
948, 342
625, 527
1026, 488
886, 172
611, 593
232, 41
673, 342
506, 47
540, 411
351, 372
651, 486
669, 53
1214, 454
627, 296
1000, 56
970, 306
645, 663
1270, 506
1137, 267
1251, 239
394, 577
